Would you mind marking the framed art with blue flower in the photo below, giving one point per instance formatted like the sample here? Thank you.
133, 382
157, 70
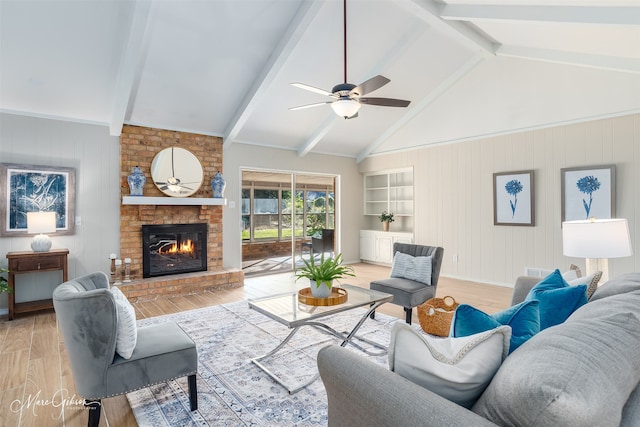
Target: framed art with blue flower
29, 188
513, 198
588, 192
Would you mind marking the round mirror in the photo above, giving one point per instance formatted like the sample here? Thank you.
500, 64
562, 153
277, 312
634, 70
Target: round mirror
176, 172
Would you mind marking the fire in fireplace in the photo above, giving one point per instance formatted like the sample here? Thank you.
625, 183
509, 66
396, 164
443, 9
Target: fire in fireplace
173, 249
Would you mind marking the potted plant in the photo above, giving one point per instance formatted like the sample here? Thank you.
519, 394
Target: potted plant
386, 218
323, 273
4, 285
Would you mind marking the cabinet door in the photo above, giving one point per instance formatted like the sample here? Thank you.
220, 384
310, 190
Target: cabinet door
367, 246
384, 249
402, 239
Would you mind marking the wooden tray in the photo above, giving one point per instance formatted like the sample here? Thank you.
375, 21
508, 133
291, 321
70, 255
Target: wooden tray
337, 296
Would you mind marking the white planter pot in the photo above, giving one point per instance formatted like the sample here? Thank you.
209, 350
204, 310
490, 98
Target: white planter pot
322, 291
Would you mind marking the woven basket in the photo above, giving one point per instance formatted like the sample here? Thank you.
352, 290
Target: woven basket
435, 315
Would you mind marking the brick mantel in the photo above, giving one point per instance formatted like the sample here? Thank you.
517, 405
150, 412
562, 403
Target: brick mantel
138, 147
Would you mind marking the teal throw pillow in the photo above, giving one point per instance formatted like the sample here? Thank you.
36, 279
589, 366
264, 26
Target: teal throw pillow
523, 318
557, 299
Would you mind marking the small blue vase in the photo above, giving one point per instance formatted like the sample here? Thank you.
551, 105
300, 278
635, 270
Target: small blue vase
217, 185
136, 181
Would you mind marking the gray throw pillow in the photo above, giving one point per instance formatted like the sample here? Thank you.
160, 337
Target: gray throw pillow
618, 285
416, 268
578, 373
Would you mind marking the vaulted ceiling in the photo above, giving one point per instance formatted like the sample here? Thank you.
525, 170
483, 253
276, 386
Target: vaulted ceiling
470, 68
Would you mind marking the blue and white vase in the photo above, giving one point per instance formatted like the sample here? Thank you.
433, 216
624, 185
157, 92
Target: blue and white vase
217, 185
136, 181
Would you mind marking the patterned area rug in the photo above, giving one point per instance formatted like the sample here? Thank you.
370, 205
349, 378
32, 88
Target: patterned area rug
232, 391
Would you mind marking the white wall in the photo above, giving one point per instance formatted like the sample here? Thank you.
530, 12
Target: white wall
454, 195
349, 203
95, 156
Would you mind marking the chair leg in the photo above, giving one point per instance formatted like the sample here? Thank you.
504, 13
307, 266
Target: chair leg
94, 407
193, 392
408, 311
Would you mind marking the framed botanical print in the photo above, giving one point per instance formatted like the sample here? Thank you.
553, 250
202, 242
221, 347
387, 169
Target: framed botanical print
513, 198
588, 192
29, 188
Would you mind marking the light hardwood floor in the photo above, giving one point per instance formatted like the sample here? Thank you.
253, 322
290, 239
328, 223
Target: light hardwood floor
35, 375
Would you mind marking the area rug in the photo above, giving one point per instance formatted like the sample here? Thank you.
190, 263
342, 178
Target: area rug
232, 391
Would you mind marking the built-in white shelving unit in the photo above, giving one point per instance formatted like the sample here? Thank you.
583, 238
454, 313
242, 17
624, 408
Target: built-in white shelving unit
176, 201
390, 191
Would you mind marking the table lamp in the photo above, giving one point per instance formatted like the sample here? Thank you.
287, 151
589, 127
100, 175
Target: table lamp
39, 223
597, 240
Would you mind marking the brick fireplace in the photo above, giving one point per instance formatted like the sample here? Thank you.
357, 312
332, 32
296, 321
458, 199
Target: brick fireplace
138, 147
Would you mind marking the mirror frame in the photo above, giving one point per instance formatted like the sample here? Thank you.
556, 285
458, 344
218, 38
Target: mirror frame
177, 172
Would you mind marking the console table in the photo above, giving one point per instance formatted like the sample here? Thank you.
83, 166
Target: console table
34, 262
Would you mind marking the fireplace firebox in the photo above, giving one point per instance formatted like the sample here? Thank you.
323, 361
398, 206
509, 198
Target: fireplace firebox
173, 249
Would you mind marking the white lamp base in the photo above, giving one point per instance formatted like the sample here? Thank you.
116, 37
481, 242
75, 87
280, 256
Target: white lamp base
598, 264
41, 243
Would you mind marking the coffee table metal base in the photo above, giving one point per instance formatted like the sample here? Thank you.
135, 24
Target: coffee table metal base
344, 336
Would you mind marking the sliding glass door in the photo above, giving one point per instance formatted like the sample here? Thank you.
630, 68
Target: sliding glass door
276, 219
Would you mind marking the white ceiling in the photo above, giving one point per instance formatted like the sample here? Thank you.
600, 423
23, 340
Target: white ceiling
224, 67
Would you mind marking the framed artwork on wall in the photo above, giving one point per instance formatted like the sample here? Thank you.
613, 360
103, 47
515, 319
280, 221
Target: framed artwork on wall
29, 188
513, 198
588, 192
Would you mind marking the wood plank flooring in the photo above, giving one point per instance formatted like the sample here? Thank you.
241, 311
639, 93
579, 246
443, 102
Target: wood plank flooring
36, 382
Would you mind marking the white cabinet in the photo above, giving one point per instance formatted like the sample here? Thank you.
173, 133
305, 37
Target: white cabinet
377, 246
390, 191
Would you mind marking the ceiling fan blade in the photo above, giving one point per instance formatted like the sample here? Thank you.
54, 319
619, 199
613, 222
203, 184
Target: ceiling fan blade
302, 107
312, 89
369, 86
385, 102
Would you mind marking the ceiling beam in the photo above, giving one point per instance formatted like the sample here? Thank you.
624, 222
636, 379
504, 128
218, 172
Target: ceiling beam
602, 62
317, 136
131, 63
420, 106
305, 14
566, 14
429, 12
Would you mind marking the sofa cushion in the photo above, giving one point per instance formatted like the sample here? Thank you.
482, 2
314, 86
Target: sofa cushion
557, 299
604, 307
458, 369
619, 285
416, 268
523, 318
579, 373
631, 410
127, 332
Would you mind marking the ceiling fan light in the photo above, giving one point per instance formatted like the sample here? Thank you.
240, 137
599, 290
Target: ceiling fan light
345, 107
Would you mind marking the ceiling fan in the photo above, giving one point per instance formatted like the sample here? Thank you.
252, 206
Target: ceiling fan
347, 97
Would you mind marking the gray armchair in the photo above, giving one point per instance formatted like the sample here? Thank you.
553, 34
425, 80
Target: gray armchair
87, 317
410, 293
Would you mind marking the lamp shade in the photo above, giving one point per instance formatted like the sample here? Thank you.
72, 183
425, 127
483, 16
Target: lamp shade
41, 222
345, 107
600, 238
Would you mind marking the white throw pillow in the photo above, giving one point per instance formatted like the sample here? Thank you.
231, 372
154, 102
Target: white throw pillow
127, 333
458, 369
416, 268
591, 281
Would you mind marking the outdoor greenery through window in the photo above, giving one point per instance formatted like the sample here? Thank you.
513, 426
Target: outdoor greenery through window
267, 213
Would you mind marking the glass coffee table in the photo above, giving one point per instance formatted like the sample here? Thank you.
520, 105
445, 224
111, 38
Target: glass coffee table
286, 309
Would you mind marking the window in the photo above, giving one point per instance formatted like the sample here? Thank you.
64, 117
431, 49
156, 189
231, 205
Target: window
267, 211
